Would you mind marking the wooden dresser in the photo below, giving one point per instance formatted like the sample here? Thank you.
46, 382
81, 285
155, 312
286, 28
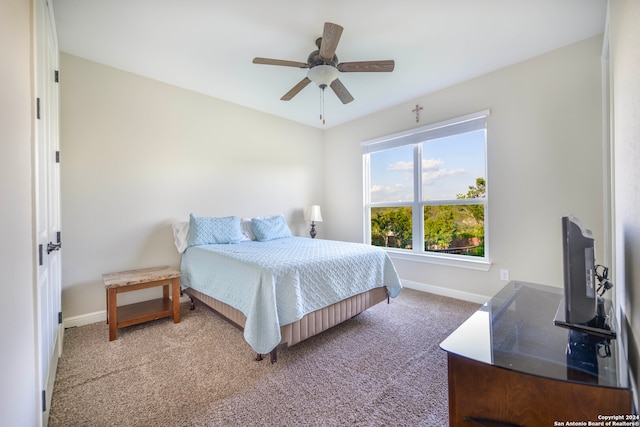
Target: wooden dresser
509, 365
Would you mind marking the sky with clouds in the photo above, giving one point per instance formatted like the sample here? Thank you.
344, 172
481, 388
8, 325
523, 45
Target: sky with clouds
449, 166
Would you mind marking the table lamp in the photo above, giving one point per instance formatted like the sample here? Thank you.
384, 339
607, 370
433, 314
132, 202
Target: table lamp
313, 214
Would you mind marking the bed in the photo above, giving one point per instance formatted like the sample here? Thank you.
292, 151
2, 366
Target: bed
279, 288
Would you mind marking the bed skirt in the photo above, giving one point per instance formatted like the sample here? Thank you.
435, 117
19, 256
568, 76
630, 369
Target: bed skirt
311, 324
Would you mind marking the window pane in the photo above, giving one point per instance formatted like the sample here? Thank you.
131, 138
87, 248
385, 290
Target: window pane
451, 165
392, 227
454, 229
391, 176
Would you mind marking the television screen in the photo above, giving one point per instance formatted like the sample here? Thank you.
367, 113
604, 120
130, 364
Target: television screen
579, 267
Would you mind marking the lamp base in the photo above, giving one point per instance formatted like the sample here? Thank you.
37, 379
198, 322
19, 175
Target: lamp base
313, 230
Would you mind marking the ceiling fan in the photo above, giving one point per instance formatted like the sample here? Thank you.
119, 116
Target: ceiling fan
324, 67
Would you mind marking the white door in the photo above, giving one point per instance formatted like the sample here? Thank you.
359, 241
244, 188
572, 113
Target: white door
47, 203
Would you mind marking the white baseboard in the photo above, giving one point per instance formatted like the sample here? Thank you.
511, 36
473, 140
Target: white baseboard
85, 319
445, 292
95, 317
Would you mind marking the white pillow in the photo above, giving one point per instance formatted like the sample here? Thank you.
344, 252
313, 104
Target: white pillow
180, 235
247, 230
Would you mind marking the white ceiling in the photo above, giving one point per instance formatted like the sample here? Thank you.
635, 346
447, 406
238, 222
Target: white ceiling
207, 45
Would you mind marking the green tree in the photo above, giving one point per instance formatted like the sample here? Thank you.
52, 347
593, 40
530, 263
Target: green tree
439, 226
476, 192
444, 225
471, 216
396, 221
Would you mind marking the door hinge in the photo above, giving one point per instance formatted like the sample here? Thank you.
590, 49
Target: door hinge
40, 260
59, 237
59, 318
56, 76
58, 156
38, 108
44, 400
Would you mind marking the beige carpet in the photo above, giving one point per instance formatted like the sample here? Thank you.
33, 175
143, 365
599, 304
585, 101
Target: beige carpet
381, 368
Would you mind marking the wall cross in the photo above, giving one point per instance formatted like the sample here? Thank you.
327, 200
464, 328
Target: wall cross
417, 111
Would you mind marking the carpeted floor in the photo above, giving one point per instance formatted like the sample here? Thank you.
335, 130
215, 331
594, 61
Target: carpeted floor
383, 367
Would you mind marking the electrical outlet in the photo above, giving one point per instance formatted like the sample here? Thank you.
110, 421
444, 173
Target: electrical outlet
504, 274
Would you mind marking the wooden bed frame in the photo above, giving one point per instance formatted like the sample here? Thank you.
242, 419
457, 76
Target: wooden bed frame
310, 325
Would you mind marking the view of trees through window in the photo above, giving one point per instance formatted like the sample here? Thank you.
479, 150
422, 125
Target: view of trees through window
425, 190
454, 228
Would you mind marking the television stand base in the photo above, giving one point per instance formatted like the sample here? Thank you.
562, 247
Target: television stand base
560, 320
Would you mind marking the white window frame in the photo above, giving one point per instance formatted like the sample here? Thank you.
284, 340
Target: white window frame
415, 137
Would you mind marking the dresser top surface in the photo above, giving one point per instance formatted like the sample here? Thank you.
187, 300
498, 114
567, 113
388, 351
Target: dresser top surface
515, 330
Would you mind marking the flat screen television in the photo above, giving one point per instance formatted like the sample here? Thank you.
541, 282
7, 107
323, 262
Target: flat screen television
581, 299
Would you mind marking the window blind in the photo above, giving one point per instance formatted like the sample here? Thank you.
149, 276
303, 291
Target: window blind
469, 123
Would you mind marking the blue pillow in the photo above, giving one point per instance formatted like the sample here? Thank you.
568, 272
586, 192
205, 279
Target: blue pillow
270, 228
208, 231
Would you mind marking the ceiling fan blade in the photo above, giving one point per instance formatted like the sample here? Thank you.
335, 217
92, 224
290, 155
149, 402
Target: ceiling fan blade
294, 90
330, 38
341, 91
282, 62
367, 66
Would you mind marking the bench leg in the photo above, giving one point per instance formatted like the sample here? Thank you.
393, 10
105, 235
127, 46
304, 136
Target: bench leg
112, 317
175, 294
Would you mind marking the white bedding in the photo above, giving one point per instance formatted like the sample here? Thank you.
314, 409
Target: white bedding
277, 282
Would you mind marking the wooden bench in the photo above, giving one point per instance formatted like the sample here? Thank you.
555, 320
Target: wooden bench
133, 280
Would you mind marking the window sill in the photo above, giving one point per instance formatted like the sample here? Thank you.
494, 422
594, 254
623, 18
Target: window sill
450, 261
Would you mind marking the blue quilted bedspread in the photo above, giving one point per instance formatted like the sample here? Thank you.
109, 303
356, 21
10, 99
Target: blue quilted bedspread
277, 282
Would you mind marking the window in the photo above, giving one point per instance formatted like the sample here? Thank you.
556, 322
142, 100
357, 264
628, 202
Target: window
426, 190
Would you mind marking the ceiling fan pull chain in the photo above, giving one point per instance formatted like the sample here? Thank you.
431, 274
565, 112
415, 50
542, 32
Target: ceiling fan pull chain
321, 109
322, 105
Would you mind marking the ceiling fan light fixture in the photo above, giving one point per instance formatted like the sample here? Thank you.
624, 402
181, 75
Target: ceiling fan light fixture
324, 68
323, 75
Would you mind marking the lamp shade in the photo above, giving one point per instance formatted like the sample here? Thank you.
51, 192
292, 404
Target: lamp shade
312, 213
323, 75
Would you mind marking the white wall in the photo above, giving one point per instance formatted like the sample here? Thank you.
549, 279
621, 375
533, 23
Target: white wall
544, 161
624, 41
138, 155
18, 394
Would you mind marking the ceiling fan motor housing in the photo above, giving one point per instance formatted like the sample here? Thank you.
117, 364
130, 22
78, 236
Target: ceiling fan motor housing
315, 59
